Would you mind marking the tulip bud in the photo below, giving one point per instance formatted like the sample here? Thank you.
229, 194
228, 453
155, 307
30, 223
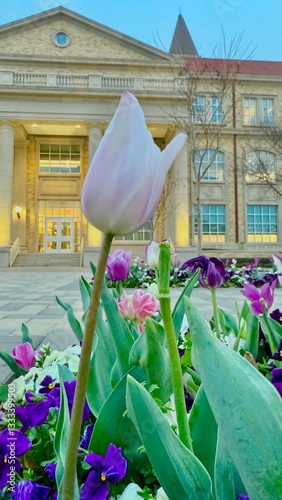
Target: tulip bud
24, 355
127, 174
118, 265
152, 254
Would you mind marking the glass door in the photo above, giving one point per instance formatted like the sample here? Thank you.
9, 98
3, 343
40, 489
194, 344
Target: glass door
58, 235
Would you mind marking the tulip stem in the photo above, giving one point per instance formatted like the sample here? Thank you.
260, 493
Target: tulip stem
215, 313
67, 489
177, 382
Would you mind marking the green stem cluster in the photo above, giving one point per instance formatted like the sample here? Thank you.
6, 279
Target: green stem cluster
177, 382
68, 483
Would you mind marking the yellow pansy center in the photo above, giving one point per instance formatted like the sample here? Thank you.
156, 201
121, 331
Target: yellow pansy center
103, 477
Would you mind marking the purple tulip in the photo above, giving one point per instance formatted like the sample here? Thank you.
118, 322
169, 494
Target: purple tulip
127, 174
261, 300
24, 355
118, 265
108, 469
13, 444
26, 489
212, 273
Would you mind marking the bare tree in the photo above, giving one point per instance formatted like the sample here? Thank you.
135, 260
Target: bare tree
204, 108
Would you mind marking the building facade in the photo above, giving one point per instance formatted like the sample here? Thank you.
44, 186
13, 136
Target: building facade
61, 78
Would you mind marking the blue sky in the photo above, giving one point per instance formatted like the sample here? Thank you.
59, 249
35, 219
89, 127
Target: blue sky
258, 22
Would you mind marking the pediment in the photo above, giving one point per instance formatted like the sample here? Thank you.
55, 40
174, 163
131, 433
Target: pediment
34, 37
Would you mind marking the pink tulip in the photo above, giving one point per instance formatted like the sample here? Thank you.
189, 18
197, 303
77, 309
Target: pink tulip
24, 355
138, 306
127, 174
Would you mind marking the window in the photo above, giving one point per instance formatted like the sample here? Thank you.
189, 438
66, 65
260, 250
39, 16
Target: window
258, 111
262, 223
61, 39
260, 166
59, 159
213, 223
208, 110
143, 234
211, 164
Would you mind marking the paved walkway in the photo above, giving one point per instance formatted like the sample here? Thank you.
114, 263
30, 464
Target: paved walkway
27, 295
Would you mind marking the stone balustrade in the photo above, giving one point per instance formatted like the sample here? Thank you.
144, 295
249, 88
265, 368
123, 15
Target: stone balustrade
90, 81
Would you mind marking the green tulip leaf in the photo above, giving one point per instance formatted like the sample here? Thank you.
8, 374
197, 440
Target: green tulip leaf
252, 338
246, 406
179, 309
4, 389
18, 371
114, 426
121, 335
202, 421
179, 472
26, 336
101, 365
60, 441
224, 480
156, 361
73, 321
227, 322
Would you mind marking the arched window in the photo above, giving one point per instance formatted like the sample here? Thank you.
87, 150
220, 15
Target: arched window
260, 166
211, 164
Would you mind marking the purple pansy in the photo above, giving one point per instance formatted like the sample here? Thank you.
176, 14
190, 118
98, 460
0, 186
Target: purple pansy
84, 443
243, 497
276, 379
34, 413
50, 470
212, 273
108, 469
261, 300
46, 385
12, 445
118, 265
54, 398
278, 354
30, 490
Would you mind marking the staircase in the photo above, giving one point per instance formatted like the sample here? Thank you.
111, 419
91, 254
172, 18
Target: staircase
47, 260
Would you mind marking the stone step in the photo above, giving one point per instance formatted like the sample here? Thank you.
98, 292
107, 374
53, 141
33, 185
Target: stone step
47, 260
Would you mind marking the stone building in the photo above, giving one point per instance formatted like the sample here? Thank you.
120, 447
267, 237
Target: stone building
61, 78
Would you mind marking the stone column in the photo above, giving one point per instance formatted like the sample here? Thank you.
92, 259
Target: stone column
19, 195
95, 135
6, 185
177, 201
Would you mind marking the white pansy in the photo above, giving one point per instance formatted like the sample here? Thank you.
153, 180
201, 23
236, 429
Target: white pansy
161, 495
130, 493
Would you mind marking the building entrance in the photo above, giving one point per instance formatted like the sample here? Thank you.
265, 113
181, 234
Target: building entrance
58, 236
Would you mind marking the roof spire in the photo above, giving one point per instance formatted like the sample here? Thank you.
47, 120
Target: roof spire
182, 42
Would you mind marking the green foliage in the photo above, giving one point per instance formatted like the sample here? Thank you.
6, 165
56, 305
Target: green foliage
180, 473
242, 405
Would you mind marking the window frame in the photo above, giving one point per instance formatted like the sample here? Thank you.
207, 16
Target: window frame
211, 236
255, 235
258, 118
61, 168
216, 163
142, 231
206, 114
263, 176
